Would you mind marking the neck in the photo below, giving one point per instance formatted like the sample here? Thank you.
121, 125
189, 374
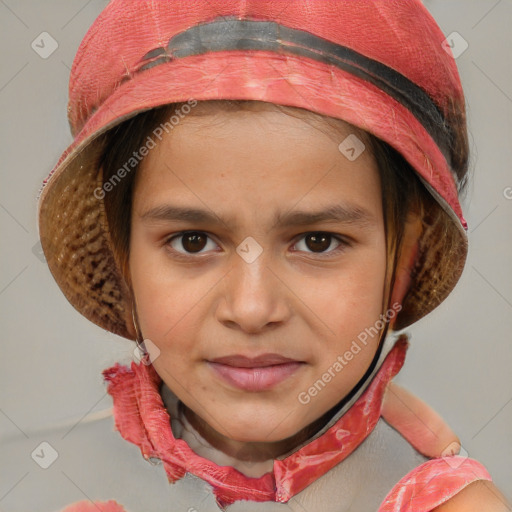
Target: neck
254, 451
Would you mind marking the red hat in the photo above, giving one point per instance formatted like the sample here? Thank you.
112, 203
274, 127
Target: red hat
380, 65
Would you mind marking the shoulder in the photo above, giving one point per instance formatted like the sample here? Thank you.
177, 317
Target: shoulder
479, 496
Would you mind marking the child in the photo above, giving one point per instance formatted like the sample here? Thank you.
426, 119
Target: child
216, 143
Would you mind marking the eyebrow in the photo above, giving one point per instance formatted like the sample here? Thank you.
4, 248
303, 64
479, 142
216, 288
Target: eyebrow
336, 213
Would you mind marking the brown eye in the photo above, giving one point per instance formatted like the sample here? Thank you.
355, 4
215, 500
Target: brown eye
318, 242
192, 242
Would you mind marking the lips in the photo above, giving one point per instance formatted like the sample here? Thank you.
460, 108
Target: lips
254, 374
241, 361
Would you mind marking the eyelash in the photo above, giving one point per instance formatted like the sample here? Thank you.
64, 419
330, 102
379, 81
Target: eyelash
343, 244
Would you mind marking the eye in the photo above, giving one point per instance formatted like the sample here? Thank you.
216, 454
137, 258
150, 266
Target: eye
319, 241
191, 241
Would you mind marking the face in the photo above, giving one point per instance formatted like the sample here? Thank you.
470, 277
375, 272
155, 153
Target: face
253, 302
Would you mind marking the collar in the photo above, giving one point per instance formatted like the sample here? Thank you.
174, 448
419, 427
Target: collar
141, 417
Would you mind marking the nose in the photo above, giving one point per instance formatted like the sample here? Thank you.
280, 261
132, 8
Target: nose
253, 298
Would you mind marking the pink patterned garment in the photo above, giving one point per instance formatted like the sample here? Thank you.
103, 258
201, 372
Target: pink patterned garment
431, 484
97, 506
141, 418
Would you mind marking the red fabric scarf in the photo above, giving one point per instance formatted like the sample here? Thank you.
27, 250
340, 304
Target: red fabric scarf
141, 418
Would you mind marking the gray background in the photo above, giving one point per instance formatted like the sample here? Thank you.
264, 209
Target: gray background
460, 357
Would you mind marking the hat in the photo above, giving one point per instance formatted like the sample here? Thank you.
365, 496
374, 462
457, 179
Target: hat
381, 65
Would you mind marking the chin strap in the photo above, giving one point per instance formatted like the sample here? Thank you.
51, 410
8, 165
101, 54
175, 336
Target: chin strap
345, 405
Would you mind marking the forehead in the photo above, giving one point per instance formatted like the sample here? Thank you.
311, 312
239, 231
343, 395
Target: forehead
215, 112
261, 157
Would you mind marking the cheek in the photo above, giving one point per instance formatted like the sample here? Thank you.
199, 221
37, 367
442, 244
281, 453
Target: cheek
160, 294
362, 285
166, 306
356, 298
350, 305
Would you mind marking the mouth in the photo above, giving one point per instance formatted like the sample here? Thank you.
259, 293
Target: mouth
254, 374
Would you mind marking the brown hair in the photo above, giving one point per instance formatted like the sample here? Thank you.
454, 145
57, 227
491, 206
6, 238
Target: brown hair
402, 190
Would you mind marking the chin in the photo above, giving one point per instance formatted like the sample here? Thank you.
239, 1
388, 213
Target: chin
250, 431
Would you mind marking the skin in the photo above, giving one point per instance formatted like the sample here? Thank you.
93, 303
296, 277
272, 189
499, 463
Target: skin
290, 300
304, 301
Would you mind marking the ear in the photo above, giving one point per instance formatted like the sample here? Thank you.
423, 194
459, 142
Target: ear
406, 258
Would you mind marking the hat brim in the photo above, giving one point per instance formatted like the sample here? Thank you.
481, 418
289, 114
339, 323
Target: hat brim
72, 224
